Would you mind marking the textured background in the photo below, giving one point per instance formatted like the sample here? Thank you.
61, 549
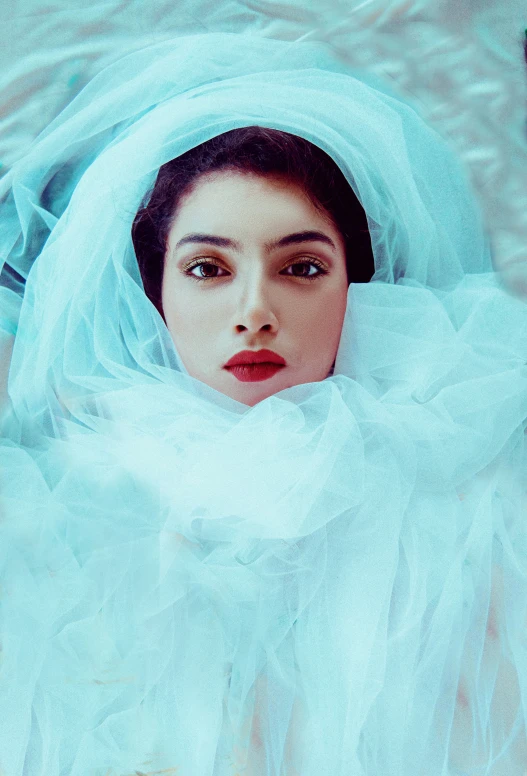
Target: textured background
461, 61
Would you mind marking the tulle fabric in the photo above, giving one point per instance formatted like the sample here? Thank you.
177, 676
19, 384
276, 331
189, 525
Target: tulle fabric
332, 582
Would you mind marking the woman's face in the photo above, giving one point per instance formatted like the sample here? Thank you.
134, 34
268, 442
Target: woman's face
250, 265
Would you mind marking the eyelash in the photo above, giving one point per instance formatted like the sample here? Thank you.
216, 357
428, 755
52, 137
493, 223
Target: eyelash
201, 262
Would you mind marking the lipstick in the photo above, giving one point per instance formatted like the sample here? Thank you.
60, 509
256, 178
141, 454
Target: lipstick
251, 366
252, 373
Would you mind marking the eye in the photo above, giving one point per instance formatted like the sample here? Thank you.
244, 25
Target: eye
206, 270
303, 269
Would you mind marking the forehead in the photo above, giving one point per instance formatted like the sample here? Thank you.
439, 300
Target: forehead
227, 194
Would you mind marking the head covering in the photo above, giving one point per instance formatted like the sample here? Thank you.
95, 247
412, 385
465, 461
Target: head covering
331, 582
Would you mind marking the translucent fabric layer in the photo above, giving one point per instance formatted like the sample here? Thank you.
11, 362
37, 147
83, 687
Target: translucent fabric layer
330, 583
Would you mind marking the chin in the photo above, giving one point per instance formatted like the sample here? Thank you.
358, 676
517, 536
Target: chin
255, 398
251, 394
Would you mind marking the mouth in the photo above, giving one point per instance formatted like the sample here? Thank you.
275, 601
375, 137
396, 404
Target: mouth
253, 373
251, 366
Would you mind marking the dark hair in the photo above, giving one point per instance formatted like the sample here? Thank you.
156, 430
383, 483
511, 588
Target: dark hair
261, 151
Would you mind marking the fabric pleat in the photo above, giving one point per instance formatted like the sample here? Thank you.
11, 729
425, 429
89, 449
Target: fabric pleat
330, 583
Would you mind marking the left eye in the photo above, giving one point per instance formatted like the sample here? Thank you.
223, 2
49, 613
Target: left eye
302, 269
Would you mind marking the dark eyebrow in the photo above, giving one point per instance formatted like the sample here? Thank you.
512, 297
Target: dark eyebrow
300, 237
225, 242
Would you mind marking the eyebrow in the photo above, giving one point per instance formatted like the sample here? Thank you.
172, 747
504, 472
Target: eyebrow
225, 242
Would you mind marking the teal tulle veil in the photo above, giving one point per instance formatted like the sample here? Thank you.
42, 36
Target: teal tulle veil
345, 563
152, 106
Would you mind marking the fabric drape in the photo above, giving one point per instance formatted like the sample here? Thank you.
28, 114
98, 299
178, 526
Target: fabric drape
331, 582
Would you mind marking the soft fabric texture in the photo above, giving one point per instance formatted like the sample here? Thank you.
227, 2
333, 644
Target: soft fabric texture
331, 582
462, 62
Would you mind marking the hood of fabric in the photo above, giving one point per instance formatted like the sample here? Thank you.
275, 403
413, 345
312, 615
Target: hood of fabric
332, 582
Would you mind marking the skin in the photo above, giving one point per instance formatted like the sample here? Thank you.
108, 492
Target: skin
252, 297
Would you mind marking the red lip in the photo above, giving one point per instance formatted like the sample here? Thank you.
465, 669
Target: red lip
255, 357
254, 373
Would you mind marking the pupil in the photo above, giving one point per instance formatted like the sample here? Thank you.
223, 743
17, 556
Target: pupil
302, 268
208, 270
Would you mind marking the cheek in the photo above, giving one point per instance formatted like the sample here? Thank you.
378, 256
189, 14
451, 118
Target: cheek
177, 303
325, 321
190, 316
339, 312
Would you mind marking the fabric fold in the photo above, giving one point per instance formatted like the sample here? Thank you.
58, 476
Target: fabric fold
330, 583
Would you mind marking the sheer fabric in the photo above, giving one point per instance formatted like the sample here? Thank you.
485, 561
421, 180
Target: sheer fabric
331, 582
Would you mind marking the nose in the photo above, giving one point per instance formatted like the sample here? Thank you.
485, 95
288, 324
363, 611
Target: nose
254, 311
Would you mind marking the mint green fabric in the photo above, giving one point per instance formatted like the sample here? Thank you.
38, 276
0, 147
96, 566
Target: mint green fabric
331, 582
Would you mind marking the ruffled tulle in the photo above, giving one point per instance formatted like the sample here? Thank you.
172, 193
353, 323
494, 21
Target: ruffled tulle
330, 583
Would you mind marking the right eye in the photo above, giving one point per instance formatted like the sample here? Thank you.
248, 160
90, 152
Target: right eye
205, 270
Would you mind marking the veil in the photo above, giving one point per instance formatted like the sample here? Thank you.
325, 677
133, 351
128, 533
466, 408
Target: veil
332, 582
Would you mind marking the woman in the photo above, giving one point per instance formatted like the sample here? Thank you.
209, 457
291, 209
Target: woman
257, 186
321, 569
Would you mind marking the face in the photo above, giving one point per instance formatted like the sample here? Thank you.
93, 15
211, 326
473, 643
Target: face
252, 265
